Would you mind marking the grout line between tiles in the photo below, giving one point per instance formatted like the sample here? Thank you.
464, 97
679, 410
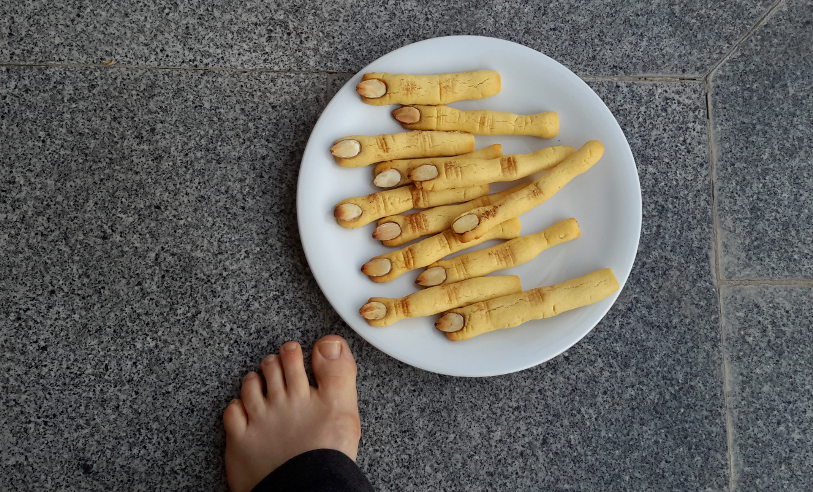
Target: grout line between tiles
652, 78
759, 22
716, 270
643, 78
727, 397
793, 282
720, 283
125, 66
712, 146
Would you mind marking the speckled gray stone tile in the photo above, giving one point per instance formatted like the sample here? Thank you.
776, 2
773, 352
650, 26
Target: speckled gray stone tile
151, 258
762, 108
594, 37
769, 347
637, 405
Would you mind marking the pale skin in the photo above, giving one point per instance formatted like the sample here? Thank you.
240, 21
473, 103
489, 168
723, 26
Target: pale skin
279, 415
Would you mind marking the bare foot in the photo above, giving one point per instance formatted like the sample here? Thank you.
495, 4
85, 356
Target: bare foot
264, 430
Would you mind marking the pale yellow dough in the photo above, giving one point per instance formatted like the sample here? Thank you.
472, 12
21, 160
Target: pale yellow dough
433, 220
469, 225
454, 173
390, 266
506, 255
404, 166
402, 145
514, 309
483, 122
398, 200
384, 311
432, 89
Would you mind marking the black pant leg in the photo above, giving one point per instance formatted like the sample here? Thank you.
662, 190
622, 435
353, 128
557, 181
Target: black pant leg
320, 470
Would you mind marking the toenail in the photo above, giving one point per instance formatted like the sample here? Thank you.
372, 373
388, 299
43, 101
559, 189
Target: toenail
330, 349
269, 359
250, 375
290, 346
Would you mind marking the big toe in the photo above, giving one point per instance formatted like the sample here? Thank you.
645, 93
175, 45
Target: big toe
334, 367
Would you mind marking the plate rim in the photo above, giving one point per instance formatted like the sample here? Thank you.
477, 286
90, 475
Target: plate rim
471, 374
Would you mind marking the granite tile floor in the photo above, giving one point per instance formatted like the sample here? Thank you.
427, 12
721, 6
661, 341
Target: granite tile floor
150, 255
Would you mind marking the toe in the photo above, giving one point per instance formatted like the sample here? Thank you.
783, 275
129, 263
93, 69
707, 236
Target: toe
293, 367
272, 370
252, 394
334, 368
234, 418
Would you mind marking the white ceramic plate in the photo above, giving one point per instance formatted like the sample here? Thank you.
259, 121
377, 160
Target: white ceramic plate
606, 201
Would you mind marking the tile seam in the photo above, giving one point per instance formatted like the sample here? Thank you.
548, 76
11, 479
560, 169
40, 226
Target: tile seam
744, 37
123, 66
718, 285
747, 282
650, 78
654, 78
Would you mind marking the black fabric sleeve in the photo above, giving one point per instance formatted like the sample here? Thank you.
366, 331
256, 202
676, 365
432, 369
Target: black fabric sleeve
320, 470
